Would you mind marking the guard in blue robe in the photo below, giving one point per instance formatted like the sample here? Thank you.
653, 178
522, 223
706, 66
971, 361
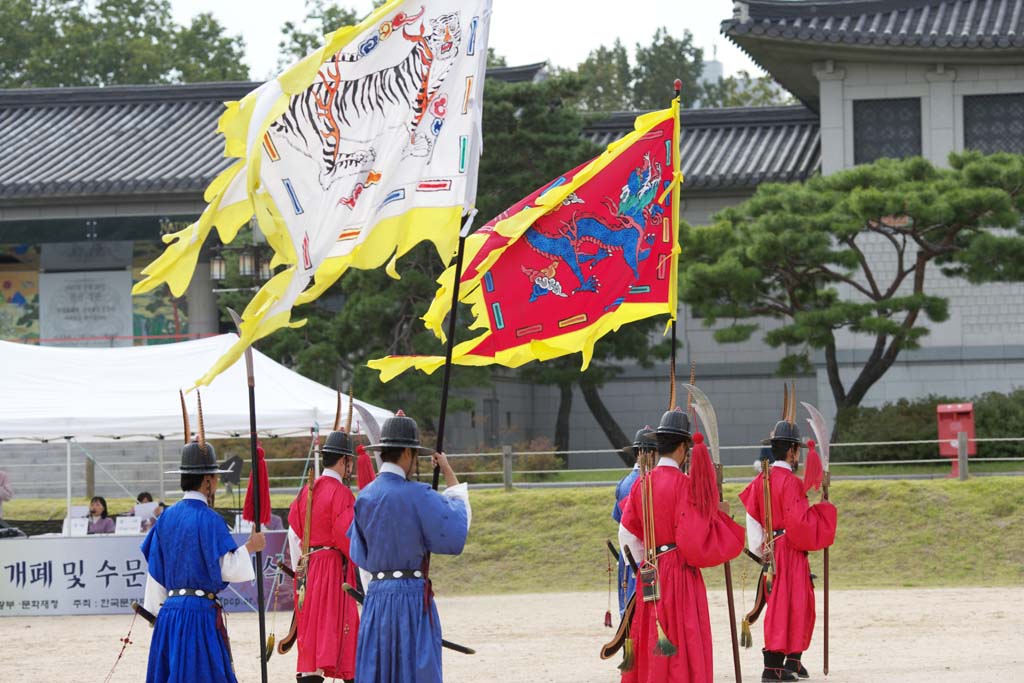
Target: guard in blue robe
191, 557
643, 441
396, 523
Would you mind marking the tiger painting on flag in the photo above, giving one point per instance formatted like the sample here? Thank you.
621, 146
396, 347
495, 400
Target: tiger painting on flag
327, 121
351, 157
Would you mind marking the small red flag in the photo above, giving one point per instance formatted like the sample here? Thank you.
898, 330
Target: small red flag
249, 511
364, 468
814, 473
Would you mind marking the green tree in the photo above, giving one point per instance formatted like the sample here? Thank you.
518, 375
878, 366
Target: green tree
849, 253
657, 65
607, 79
743, 90
611, 82
50, 43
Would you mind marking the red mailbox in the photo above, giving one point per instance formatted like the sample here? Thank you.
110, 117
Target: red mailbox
953, 419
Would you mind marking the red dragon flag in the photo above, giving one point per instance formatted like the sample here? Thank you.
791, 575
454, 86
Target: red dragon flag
588, 252
350, 158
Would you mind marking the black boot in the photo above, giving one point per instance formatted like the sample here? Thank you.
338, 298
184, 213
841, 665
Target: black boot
774, 668
309, 679
793, 665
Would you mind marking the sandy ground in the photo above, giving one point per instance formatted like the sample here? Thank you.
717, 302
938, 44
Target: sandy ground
894, 635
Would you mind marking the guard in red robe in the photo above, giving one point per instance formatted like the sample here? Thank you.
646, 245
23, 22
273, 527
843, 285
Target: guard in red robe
328, 621
671, 637
797, 528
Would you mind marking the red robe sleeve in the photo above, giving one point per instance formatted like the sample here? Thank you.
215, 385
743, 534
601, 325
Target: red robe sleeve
294, 516
706, 541
344, 511
808, 527
752, 498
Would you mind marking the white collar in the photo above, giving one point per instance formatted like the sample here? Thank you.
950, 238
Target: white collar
637, 465
783, 464
392, 468
666, 461
332, 474
195, 495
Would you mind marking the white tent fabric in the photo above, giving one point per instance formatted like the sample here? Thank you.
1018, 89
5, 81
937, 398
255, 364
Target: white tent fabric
131, 393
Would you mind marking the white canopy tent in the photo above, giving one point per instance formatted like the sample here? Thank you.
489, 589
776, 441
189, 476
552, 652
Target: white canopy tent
93, 395
100, 395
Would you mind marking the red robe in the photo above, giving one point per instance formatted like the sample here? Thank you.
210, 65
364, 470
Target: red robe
683, 607
789, 615
329, 620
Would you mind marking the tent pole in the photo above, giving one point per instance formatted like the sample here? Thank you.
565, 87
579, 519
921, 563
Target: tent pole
67, 463
163, 487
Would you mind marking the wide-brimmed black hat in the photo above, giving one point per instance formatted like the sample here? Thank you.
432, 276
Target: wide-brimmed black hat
674, 423
197, 457
643, 441
786, 432
400, 431
338, 443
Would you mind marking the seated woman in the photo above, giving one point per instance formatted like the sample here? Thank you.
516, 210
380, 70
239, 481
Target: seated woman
99, 521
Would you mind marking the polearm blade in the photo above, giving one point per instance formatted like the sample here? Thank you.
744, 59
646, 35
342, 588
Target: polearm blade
820, 429
706, 412
369, 423
250, 377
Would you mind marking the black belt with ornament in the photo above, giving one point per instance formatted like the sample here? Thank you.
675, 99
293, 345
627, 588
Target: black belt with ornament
397, 574
192, 592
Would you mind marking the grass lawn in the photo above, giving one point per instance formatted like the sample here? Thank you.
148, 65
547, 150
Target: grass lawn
891, 534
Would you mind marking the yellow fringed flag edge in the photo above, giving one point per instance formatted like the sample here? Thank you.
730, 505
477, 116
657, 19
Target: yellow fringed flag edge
513, 227
385, 243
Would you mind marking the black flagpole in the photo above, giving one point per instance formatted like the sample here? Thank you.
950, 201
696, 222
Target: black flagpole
448, 353
255, 498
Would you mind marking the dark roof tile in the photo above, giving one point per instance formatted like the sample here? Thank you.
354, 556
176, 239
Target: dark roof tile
736, 148
989, 24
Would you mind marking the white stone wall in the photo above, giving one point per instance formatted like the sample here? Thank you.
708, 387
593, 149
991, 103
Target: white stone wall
980, 347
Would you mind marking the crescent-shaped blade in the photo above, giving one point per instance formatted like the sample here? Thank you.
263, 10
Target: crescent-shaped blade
821, 433
706, 413
371, 427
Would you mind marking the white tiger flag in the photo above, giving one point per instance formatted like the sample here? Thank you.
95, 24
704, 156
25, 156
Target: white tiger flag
350, 158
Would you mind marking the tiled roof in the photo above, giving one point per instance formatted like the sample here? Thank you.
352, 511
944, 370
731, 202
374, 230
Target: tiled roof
112, 141
883, 23
517, 74
124, 140
736, 148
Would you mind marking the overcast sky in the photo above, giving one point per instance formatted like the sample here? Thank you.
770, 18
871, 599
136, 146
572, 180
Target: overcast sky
562, 32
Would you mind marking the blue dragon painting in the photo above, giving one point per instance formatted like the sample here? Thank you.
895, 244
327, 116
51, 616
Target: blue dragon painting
587, 239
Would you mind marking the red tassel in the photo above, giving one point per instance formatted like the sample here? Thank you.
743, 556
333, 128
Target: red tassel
364, 468
813, 472
608, 619
703, 479
249, 509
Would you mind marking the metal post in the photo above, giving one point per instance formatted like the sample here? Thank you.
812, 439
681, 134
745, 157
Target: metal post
90, 478
67, 463
160, 455
506, 466
961, 454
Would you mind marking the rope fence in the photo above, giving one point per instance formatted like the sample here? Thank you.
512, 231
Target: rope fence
506, 468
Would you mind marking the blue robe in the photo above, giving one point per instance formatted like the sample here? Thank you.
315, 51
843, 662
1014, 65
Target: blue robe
627, 580
396, 522
183, 550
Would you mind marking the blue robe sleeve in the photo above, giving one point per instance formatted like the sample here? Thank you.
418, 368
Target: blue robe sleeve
154, 565
617, 511
216, 542
443, 520
357, 544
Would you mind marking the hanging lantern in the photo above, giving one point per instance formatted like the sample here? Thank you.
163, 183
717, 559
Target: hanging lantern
246, 263
218, 269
